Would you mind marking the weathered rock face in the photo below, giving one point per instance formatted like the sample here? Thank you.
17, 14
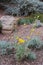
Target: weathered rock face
8, 22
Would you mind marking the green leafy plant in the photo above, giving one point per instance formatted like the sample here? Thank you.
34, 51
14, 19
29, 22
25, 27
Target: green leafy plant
22, 52
6, 47
31, 56
34, 43
25, 21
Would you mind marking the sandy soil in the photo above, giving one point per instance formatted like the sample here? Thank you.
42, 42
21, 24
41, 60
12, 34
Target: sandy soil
22, 32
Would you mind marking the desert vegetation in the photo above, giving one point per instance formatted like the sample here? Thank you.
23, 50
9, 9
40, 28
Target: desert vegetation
21, 32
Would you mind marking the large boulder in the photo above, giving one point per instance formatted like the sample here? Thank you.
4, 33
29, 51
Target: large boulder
8, 22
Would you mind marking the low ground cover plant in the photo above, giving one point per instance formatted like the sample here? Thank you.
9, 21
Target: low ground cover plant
22, 52
31, 19
26, 20
35, 43
6, 47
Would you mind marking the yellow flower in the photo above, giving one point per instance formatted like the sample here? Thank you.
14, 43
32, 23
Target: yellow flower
28, 38
20, 41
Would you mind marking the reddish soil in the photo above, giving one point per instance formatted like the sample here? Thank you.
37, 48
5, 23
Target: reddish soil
9, 60
22, 32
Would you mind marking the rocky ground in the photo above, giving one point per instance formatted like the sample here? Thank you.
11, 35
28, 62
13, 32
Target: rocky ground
9, 60
22, 32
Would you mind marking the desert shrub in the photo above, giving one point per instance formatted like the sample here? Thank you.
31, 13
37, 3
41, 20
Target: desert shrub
24, 7
25, 21
0, 27
22, 52
12, 11
31, 56
34, 43
6, 47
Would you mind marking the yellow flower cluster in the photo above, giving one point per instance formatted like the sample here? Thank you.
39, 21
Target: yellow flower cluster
20, 41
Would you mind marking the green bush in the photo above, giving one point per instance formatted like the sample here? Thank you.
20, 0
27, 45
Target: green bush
34, 43
6, 47
22, 52
0, 27
25, 21
23, 7
31, 56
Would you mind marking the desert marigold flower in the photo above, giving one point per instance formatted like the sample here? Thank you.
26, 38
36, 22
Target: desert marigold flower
20, 41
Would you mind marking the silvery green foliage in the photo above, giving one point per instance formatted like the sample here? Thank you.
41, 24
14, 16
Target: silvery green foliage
22, 52
32, 56
12, 11
25, 7
35, 42
38, 24
5, 47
